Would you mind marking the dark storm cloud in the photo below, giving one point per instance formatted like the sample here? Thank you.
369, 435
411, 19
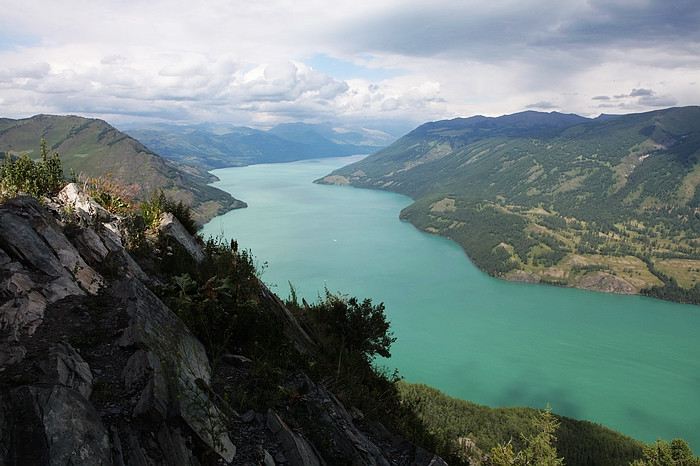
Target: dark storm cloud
505, 30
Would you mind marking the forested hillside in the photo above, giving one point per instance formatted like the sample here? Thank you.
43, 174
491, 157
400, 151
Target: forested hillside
91, 148
611, 204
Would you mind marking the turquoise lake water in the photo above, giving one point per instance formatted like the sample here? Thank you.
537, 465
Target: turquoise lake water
627, 362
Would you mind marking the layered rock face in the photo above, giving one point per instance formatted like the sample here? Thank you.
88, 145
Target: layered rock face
95, 369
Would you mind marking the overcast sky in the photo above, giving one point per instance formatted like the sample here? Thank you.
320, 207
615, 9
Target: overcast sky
261, 62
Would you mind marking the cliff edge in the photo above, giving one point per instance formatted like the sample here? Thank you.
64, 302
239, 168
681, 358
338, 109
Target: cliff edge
96, 369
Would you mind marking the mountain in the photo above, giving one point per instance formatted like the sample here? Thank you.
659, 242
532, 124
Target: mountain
611, 204
183, 356
104, 363
217, 146
94, 148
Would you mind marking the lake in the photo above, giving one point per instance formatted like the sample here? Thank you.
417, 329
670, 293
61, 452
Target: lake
628, 362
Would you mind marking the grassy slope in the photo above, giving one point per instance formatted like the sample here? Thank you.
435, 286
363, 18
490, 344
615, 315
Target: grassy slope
608, 204
95, 148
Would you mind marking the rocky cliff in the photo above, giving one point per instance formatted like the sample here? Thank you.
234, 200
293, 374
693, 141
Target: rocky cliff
96, 369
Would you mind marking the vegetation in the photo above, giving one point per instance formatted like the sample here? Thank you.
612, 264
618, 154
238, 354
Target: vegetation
23, 175
555, 198
158, 203
93, 149
663, 453
471, 430
539, 448
225, 304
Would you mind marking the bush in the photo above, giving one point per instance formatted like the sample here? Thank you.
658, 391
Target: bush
158, 203
109, 193
353, 326
23, 175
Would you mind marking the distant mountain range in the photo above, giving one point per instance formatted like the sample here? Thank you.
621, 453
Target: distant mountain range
217, 146
611, 204
95, 148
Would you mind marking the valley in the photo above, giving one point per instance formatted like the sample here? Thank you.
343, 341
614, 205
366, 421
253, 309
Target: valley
627, 362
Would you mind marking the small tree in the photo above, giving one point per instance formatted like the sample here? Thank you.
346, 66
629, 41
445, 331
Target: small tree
37, 179
358, 327
539, 448
661, 453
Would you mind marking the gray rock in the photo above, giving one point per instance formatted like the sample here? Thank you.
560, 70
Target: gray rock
267, 459
118, 451
90, 245
21, 240
44, 266
60, 288
56, 426
334, 418
4, 258
248, 416
11, 353
37, 239
67, 254
83, 205
23, 313
172, 444
137, 457
171, 226
297, 450
66, 367
177, 365
236, 360
280, 458
300, 338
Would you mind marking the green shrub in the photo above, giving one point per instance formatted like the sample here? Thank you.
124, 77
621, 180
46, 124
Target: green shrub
158, 203
38, 179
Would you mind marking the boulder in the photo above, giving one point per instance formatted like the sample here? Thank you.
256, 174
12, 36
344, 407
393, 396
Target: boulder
23, 313
177, 367
67, 368
237, 361
330, 416
83, 205
297, 450
19, 239
30, 235
56, 425
171, 226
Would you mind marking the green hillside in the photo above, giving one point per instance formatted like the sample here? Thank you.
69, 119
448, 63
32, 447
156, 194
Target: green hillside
94, 148
610, 204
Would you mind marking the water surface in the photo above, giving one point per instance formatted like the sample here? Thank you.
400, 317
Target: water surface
628, 362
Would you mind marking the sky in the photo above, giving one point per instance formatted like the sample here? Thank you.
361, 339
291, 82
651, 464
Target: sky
374, 63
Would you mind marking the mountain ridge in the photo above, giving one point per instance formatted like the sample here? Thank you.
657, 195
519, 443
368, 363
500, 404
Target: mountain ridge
95, 148
218, 146
567, 194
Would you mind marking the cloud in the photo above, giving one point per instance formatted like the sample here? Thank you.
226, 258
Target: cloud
26, 71
641, 92
543, 105
637, 98
275, 61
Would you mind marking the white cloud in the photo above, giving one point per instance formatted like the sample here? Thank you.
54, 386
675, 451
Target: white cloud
255, 62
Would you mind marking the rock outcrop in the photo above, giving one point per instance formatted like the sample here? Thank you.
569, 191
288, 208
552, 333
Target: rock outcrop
96, 369
607, 283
